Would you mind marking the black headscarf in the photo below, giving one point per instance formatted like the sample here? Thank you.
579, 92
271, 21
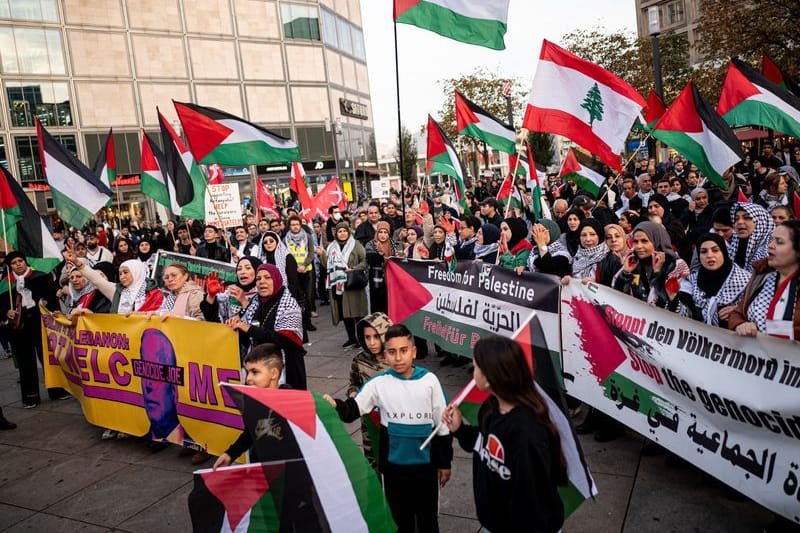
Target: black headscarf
490, 233
596, 225
519, 230
573, 238
711, 281
142, 256
256, 262
661, 200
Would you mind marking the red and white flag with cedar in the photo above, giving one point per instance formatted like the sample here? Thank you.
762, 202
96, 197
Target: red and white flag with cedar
583, 102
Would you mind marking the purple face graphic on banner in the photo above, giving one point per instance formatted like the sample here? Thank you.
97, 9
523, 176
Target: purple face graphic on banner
160, 397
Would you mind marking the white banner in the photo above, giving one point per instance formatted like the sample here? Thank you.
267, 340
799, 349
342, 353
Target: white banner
728, 404
223, 205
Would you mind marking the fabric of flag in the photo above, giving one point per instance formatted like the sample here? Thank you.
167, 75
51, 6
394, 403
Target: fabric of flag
328, 484
748, 98
546, 366
219, 137
583, 102
695, 130
185, 182
741, 196
105, 166
298, 185
474, 121
655, 110
331, 194
509, 192
77, 193
443, 159
23, 227
584, 177
265, 201
152, 178
534, 184
796, 204
475, 22
215, 174
776, 75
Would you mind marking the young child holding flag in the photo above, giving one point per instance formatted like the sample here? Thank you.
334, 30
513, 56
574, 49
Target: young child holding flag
517, 464
411, 403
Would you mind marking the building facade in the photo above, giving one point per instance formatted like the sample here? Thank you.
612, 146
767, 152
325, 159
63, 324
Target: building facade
295, 67
674, 17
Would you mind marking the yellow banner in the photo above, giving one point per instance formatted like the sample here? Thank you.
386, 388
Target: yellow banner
148, 377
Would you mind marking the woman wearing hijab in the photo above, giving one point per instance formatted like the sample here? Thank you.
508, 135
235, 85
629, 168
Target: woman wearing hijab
85, 298
415, 246
617, 243
699, 217
220, 305
344, 255
549, 254
440, 248
651, 267
487, 243
517, 248
570, 237
711, 293
274, 316
753, 227
275, 252
146, 255
658, 206
593, 249
378, 250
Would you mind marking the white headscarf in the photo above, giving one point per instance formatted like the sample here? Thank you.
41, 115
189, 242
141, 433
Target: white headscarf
132, 296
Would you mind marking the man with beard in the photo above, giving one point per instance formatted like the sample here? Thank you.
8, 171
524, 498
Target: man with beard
96, 253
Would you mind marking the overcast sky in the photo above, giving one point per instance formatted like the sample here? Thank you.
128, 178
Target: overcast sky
426, 57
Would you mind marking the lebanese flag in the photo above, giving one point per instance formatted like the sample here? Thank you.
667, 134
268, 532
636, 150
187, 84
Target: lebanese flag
23, 228
219, 137
776, 75
583, 102
585, 177
474, 121
297, 184
265, 201
105, 166
695, 130
749, 98
475, 22
655, 110
331, 194
443, 159
153, 183
77, 192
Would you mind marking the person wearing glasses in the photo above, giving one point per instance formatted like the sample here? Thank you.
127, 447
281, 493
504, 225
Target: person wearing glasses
183, 296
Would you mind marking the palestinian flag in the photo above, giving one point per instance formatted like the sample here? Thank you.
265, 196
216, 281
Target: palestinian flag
475, 22
585, 177
509, 192
695, 130
219, 137
185, 182
533, 178
775, 74
326, 483
23, 229
583, 102
749, 98
546, 366
105, 167
77, 192
152, 179
474, 121
443, 159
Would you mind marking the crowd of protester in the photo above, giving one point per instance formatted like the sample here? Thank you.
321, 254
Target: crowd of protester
659, 232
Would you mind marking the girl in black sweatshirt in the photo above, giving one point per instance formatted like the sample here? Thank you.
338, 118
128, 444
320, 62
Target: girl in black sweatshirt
517, 462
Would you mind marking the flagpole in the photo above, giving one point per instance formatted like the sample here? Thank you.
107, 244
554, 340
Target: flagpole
638, 148
8, 267
399, 120
214, 206
457, 401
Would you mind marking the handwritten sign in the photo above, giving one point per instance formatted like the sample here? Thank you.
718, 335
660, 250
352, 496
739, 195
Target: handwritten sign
223, 205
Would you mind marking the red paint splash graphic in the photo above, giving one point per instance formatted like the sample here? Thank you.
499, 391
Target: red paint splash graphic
597, 341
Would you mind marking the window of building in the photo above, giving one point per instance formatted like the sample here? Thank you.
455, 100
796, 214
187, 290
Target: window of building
345, 39
300, 22
343, 36
673, 13
358, 44
127, 150
39, 10
31, 51
3, 158
315, 143
44, 99
27, 149
329, 28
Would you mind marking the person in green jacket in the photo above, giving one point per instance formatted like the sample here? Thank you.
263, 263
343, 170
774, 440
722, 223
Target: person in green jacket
516, 247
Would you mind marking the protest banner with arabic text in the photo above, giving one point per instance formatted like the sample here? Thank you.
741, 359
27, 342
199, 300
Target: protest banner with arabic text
454, 309
148, 377
725, 403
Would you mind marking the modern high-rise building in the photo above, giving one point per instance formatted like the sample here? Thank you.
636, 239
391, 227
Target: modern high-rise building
83, 66
674, 17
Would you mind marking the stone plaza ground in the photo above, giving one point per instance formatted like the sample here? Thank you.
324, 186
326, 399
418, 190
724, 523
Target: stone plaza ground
56, 475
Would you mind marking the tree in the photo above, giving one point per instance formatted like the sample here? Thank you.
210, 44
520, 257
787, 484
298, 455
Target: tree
408, 146
542, 148
593, 103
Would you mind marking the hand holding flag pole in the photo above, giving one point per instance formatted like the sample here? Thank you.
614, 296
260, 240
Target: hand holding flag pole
619, 173
458, 400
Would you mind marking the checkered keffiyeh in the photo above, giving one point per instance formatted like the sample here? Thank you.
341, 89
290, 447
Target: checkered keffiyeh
758, 240
283, 315
759, 305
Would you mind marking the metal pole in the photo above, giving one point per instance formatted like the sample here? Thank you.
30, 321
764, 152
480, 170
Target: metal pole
399, 121
659, 84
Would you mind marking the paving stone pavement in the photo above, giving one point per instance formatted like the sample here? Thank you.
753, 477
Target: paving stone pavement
56, 475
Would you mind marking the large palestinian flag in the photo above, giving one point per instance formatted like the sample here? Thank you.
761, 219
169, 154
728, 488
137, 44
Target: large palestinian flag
583, 102
219, 137
185, 182
77, 193
695, 130
584, 177
22, 227
443, 159
474, 121
153, 182
776, 75
316, 477
470, 21
749, 98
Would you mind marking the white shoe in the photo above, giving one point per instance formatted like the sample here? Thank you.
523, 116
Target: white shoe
108, 434
314, 314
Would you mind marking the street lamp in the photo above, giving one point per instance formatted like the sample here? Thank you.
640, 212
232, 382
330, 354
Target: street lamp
654, 29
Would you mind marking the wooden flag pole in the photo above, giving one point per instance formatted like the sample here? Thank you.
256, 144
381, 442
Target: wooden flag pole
613, 181
8, 267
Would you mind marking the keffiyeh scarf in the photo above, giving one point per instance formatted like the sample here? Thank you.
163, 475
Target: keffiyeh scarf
586, 260
728, 294
337, 264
